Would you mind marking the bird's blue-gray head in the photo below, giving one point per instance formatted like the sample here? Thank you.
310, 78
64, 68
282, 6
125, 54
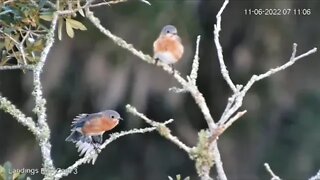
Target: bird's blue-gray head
112, 114
169, 29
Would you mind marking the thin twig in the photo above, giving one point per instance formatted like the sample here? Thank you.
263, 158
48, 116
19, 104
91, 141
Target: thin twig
178, 90
273, 176
196, 94
8, 107
240, 95
8, 1
233, 119
135, 112
217, 29
292, 60
146, 2
19, 46
195, 64
223, 126
113, 137
161, 128
108, 3
13, 67
72, 11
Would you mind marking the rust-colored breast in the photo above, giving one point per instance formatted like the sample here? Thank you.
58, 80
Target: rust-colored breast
170, 44
98, 126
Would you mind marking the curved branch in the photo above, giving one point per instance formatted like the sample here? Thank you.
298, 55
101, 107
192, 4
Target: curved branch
273, 176
8, 107
161, 128
40, 107
113, 137
223, 67
196, 94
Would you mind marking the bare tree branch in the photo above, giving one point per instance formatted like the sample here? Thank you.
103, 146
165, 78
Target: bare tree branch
205, 154
273, 176
8, 107
161, 128
238, 96
316, 177
217, 29
292, 60
218, 162
195, 65
239, 92
13, 67
108, 3
196, 94
113, 137
40, 107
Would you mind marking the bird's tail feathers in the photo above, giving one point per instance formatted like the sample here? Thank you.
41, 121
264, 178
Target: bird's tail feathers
74, 137
88, 149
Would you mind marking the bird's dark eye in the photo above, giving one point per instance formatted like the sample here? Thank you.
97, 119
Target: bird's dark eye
112, 117
168, 31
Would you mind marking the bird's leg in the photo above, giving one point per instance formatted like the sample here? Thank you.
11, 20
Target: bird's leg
156, 59
96, 148
172, 68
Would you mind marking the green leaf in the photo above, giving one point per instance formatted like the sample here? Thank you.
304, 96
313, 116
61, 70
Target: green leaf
2, 172
178, 176
60, 25
38, 45
9, 43
1, 45
5, 12
42, 3
76, 24
15, 175
8, 170
8, 30
69, 29
46, 17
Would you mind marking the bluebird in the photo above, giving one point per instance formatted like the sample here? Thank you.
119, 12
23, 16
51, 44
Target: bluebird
168, 47
88, 129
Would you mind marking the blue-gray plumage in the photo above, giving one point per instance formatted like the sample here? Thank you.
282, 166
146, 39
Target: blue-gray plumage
169, 29
90, 127
168, 47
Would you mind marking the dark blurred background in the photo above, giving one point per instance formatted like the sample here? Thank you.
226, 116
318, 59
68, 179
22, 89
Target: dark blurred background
89, 73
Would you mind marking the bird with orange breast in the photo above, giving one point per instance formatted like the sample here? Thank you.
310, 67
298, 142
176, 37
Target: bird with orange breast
168, 47
88, 129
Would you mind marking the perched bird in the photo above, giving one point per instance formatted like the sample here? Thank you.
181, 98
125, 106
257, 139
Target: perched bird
88, 129
168, 47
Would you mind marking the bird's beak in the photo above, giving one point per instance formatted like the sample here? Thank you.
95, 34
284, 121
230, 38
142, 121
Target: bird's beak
120, 118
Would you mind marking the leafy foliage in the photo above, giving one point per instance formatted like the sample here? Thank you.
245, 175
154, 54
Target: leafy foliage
24, 25
22, 32
7, 172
